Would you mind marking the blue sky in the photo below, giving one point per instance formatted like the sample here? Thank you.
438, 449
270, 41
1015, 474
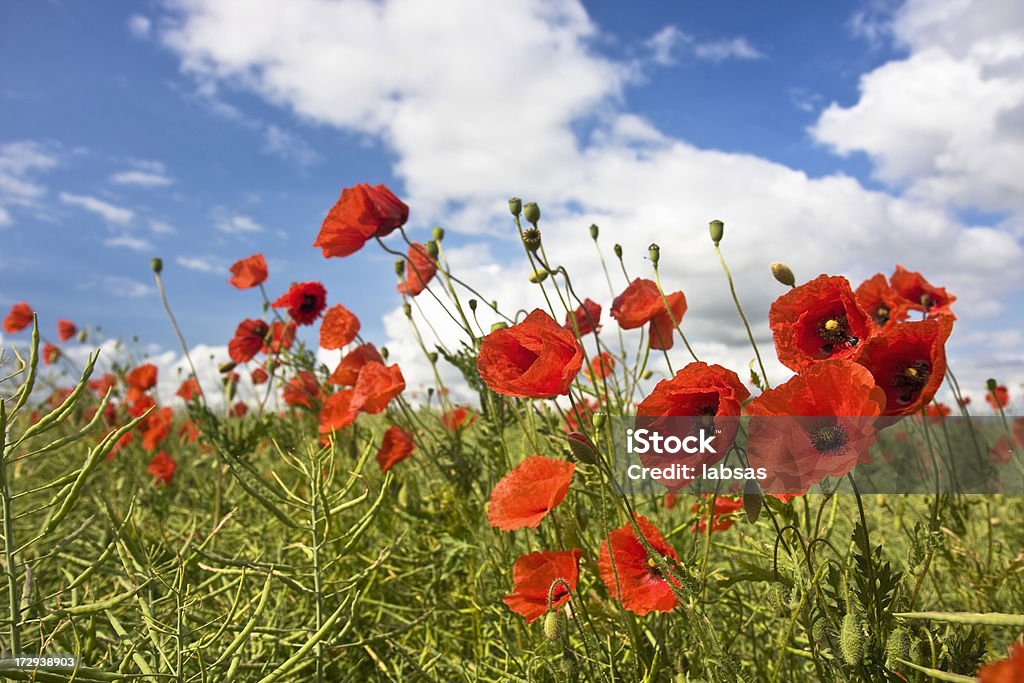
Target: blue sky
201, 134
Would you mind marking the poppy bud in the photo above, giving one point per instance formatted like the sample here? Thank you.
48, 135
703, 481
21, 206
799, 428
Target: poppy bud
851, 640
432, 357
646, 374
898, 645
782, 273
779, 597
717, 229
819, 632
498, 326
618, 250
384, 352
531, 239
431, 248
569, 666
472, 305
227, 367
554, 627
752, 500
399, 267
515, 205
538, 276
157, 264
438, 233
531, 212
991, 384
654, 251
407, 309
581, 448
494, 305
229, 390
598, 420
593, 231
83, 336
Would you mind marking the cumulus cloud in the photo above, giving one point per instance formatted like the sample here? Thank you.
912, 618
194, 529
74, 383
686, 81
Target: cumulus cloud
20, 163
139, 26
111, 213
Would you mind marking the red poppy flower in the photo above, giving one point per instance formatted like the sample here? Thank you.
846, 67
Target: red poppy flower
18, 319
162, 468
937, 412
920, 294
821, 423
339, 411
1000, 398
189, 431
532, 576
156, 427
51, 354
259, 376
529, 492
248, 340
419, 270
239, 409
248, 272
881, 302
360, 213
818, 320
600, 367
1009, 670
348, 369
66, 330
1002, 452
639, 304
302, 390
282, 336
139, 404
587, 318
663, 325
635, 579
908, 361
457, 418
305, 302
726, 508
339, 328
537, 358
376, 385
104, 384
395, 446
189, 389
142, 378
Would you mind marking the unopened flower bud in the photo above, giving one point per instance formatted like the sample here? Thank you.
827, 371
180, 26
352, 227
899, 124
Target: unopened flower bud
581, 448
531, 212
717, 229
752, 500
538, 276
83, 336
554, 626
227, 367
399, 267
157, 264
229, 389
782, 273
594, 230
432, 357
898, 646
472, 305
438, 234
618, 250
515, 205
646, 374
431, 249
598, 420
569, 666
407, 309
654, 252
851, 640
384, 352
498, 326
992, 384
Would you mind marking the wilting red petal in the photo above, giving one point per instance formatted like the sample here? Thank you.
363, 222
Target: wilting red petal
360, 213
529, 492
635, 579
249, 272
66, 330
339, 328
663, 325
600, 367
457, 418
249, 338
18, 319
419, 271
587, 318
302, 390
395, 446
532, 579
537, 358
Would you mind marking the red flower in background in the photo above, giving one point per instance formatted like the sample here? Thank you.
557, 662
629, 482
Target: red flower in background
51, 354
156, 427
635, 579
537, 358
1009, 670
259, 376
239, 409
457, 418
249, 338
999, 398
725, 508
302, 390
339, 328
920, 294
663, 325
419, 271
817, 321
140, 380
587, 318
937, 412
162, 468
360, 213
881, 302
821, 423
638, 304
600, 367
282, 336
189, 389
339, 411
529, 492
532, 576
104, 384
348, 369
249, 272
305, 302
908, 362
18, 319
376, 385
395, 446
66, 330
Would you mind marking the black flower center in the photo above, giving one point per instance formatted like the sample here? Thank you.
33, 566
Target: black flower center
910, 379
308, 303
882, 315
827, 436
834, 331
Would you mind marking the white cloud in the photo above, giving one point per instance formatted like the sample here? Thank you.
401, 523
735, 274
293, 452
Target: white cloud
161, 227
139, 26
202, 264
235, 224
669, 44
143, 173
129, 242
119, 286
5, 217
727, 48
20, 162
665, 43
111, 213
288, 146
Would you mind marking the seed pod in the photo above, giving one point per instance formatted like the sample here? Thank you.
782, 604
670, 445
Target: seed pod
594, 231
531, 212
438, 234
472, 305
538, 276
227, 367
432, 357
717, 229
515, 205
399, 267
782, 273
851, 639
407, 309
83, 336
618, 250
554, 626
646, 374
157, 264
598, 420
384, 352
992, 384
431, 249
531, 239
654, 252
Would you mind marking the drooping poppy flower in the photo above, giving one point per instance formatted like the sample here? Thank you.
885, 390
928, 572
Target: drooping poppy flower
817, 321
396, 445
104, 384
249, 338
457, 418
66, 330
599, 367
537, 358
635, 580
998, 398
532, 577
259, 376
339, 411
18, 318
248, 272
821, 423
305, 302
282, 336
908, 362
419, 271
348, 369
51, 354
1009, 670
302, 390
376, 385
529, 492
881, 302
189, 389
360, 213
726, 508
339, 328
920, 294
640, 303
162, 468
587, 318
663, 325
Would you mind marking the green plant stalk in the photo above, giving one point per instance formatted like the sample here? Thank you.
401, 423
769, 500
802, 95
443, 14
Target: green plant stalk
10, 565
736, 300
